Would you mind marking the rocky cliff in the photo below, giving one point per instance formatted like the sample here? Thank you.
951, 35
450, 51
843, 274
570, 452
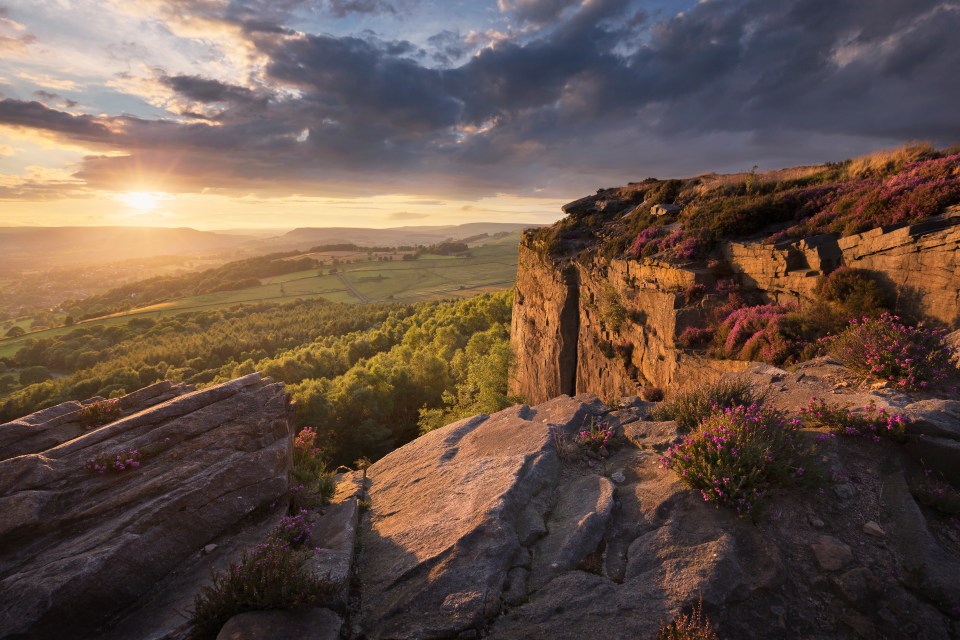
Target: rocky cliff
584, 322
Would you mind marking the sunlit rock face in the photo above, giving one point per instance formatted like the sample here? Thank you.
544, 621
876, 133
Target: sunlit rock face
611, 326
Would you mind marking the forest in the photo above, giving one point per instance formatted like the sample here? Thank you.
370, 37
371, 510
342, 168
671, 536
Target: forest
368, 378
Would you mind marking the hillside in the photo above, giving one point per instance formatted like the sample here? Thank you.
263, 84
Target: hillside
35, 248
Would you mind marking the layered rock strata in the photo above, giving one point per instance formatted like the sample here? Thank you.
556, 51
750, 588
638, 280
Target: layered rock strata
77, 547
612, 326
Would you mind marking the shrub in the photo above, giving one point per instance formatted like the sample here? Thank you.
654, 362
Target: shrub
873, 421
651, 394
99, 413
116, 462
936, 494
760, 332
691, 406
310, 471
739, 454
612, 310
694, 337
596, 437
295, 531
691, 626
855, 290
270, 576
884, 347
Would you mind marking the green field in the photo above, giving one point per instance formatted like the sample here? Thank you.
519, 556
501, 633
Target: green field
489, 267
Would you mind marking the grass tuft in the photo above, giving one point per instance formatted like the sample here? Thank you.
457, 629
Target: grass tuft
689, 407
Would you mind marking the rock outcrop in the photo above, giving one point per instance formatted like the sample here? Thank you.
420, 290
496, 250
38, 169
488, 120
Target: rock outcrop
611, 326
118, 555
491, 527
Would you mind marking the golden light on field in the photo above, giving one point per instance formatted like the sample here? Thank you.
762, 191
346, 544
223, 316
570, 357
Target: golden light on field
142, 201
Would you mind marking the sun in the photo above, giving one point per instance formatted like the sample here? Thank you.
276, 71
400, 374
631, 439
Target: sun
142, 201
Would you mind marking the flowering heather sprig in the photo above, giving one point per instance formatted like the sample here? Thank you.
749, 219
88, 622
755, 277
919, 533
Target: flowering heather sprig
305, 443
739, 454
116, 462
871, 422
596, 436
886, 348
294, 530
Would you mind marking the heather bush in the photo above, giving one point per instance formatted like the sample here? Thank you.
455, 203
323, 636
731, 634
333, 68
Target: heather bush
908, 357
99, 413
691, 406
856, 291
694, 337
596, 437
738, 455
761, 332
269, 576
691, 626
310, 471
651, 394
872, 421
294, 530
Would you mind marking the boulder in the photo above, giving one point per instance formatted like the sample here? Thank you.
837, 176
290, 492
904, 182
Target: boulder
665, 210
936, 417
444, 519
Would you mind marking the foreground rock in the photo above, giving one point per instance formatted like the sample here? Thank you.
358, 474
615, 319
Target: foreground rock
482, 529
77, 548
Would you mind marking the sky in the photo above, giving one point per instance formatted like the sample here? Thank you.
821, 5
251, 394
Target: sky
221, 114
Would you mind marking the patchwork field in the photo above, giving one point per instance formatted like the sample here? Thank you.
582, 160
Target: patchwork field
364, 279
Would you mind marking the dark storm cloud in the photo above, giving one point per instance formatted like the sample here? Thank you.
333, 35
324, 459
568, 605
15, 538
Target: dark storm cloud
213, 91
34, 115
604, 88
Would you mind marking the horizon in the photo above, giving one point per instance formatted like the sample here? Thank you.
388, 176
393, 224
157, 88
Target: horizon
233, 114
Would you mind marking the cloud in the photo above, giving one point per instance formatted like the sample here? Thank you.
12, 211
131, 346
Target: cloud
538, 11
34, 115
46, 95
343, 8
605, 93
407, 215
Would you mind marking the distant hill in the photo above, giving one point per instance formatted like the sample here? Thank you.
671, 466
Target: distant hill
396, 236
44, 247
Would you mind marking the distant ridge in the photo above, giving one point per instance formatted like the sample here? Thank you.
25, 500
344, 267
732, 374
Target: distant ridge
44, 247
395, 236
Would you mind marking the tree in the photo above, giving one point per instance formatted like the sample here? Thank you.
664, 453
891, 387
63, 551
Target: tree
15, 331
69, 321
33, 375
